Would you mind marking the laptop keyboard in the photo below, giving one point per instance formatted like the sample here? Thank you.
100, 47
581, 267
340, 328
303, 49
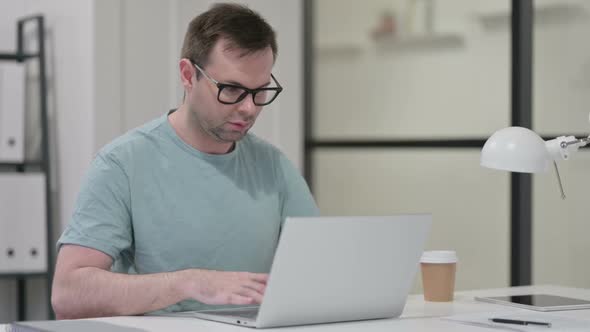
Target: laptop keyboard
250, 313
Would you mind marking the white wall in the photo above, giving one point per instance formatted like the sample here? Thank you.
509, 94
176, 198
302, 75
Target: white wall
109, 75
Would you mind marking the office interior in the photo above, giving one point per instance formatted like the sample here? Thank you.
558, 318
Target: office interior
386, 106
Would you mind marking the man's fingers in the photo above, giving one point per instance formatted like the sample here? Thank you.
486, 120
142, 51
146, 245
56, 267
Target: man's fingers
257, 286
238, 288
240, 300
250, 293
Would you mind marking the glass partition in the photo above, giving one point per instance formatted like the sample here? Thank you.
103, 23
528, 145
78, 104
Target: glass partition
469, 204
447, 77
435, 73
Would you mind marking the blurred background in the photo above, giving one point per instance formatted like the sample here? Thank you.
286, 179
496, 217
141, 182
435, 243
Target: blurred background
386, 106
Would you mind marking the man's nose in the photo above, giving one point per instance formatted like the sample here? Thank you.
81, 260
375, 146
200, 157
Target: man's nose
247, 105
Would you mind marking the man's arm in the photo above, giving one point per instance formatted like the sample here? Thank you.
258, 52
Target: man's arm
84, 286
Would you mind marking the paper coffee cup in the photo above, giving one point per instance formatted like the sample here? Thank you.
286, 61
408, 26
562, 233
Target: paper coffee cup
438, 275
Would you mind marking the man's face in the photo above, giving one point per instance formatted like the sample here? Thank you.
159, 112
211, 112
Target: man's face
229, 123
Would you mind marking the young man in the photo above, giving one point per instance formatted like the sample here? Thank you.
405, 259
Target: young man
184, 213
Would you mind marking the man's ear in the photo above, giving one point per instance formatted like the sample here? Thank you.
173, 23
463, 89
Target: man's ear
187, 72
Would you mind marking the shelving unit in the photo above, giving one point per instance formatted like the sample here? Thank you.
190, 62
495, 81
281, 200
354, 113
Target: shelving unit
425, 42
550, 13
39, 166
420, 42
339, 50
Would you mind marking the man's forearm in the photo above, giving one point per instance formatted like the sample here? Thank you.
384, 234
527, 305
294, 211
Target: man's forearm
93, 292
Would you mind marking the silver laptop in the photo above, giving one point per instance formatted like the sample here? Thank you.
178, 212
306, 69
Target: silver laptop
335, 269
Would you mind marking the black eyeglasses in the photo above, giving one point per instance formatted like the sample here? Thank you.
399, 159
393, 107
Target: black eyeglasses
232, 94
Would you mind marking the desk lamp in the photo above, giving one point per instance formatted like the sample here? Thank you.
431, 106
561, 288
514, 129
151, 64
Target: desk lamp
519, 149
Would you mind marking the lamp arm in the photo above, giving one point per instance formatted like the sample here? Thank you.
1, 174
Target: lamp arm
581, 141
561, 147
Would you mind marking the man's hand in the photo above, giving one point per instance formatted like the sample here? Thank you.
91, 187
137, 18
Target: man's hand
218, 287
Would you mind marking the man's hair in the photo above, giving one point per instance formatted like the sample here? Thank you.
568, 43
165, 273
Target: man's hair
242, 27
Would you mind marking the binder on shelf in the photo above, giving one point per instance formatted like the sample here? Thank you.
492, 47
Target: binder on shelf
12, 112
23, 231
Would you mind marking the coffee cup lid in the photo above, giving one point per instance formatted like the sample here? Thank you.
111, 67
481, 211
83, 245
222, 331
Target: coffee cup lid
439, 257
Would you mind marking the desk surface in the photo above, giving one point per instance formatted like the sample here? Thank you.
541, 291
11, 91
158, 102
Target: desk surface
418, 315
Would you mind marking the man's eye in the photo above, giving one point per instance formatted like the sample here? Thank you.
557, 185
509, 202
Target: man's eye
232, 90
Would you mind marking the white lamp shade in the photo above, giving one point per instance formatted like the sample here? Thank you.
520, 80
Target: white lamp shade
516, 149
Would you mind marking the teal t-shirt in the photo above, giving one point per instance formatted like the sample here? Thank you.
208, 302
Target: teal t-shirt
155, 204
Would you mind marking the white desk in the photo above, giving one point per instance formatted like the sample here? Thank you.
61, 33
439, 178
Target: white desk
418, 315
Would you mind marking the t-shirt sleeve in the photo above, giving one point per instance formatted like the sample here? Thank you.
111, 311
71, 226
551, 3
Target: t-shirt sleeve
296, 199
101, 218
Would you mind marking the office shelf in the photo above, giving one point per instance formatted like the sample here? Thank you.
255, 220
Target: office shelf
23, 164
22, 275
420, 42
338, 50
17, 57
550, 13
42, 165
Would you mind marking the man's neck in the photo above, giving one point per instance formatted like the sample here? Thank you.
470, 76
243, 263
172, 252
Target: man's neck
193, 135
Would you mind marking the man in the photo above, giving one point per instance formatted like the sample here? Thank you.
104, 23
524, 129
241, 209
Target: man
184, 213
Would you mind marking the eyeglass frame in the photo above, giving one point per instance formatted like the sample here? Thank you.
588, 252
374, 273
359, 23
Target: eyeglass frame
247, 91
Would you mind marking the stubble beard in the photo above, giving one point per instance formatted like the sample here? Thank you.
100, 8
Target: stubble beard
218, 133
227, 136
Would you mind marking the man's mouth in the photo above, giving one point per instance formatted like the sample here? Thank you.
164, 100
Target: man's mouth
239, 124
